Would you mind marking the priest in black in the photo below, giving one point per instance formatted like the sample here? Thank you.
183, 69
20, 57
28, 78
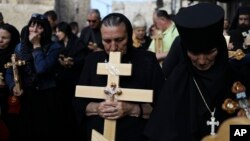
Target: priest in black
198, 78
239, 28
131, 117
239, 33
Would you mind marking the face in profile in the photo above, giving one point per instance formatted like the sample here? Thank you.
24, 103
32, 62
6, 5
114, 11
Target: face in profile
60, 35
114, 38
5, 38
203, 61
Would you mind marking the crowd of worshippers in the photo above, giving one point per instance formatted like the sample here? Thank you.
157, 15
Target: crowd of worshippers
178, 79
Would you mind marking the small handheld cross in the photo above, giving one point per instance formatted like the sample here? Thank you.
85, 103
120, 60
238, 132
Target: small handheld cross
212, 123
159, 43
113, 69
14, 64
1, 80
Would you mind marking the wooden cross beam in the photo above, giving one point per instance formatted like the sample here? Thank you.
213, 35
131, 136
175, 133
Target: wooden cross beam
1, 80
14, 64
113, 69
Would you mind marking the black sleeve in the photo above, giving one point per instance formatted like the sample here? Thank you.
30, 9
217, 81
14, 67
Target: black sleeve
172, 58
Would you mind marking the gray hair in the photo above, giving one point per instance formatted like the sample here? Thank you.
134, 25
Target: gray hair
95, 11
139, 21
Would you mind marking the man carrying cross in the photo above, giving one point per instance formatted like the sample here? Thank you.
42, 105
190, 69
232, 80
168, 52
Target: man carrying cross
146, 73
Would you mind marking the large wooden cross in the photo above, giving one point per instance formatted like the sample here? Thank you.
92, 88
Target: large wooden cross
14, 64
113, 69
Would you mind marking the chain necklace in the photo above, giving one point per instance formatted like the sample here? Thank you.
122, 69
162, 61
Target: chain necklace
211, 123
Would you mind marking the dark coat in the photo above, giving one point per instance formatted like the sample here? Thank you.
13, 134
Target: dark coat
180, 113
146, 74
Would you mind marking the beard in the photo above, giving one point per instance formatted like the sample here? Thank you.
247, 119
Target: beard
243, 27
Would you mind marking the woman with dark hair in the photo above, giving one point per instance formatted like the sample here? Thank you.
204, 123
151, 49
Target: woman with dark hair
116, 31
9, 38
71, 61
39, 114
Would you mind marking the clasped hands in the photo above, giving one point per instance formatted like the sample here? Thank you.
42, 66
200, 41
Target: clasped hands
67, 62
93, 46
113, 110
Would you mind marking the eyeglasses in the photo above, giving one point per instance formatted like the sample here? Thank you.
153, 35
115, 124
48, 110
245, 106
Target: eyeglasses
92, 21
38, 16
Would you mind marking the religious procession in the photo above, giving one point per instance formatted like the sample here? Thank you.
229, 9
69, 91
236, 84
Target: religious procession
183, 76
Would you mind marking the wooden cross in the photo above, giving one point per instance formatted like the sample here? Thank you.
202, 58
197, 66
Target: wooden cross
159, 43
113, 69
14, 64
1, 80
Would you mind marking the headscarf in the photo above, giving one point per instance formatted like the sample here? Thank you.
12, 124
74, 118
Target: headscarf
180, 113
115, 19
5, 54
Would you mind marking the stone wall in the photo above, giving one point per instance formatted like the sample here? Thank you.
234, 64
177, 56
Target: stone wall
72, 10
19, 14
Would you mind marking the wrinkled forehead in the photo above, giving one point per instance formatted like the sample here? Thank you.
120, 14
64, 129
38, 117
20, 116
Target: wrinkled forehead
120, 28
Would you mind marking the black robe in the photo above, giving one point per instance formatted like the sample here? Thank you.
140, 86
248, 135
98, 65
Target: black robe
5, 56
66, 80
91, 35
180, 113
146, 74
237, 39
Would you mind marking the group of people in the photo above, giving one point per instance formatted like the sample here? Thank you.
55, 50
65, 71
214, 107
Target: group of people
189, 87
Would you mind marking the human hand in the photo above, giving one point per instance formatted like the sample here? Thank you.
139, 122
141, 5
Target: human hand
241, 113
92, 46
66, 62
35, 38
17, 91
116, 110
230, 46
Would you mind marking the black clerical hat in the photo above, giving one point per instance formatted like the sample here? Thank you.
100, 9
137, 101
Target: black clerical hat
244, 10
200, 26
